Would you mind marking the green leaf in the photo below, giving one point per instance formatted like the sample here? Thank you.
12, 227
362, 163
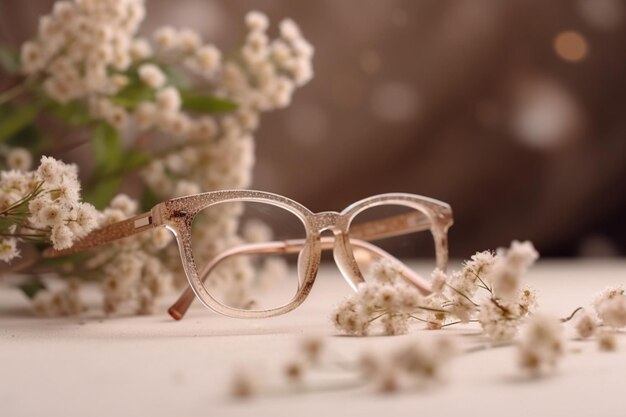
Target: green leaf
17, 120
132, 95
9, 60
206, 104
107, 148
73, 113
175, 77
149, 199
134, 159
101, 193
32, 287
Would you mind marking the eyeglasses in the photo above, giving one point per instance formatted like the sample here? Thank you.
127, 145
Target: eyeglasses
295, 232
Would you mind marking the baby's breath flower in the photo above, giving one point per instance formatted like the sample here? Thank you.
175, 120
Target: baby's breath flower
8, 249
541, 345
585, 325
124, 203
610, 306
19, 159
257, 21
295, 371
386, 271
607, 341
152, 75
245, 384
312, 348
498, 320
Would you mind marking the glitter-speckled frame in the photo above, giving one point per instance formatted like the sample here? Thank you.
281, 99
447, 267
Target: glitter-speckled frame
177, 215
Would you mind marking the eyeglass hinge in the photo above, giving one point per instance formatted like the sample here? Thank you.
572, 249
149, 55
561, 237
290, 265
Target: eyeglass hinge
143, 222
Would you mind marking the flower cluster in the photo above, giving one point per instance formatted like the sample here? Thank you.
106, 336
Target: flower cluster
84, 46
541, 345
413, 365
499, 277
387, 296
131, 271
262, 76
409, 366
42, 205
191, 111
609, 307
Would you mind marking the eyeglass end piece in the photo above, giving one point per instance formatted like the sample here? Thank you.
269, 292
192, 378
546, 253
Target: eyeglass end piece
175, 314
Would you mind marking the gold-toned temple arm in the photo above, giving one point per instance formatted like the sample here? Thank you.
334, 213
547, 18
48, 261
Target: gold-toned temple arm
107, 234
391, 226
180, 307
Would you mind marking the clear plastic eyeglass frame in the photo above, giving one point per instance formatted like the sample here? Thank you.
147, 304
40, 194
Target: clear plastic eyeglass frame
177, 215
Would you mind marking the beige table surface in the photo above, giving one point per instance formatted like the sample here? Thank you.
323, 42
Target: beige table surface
153, 366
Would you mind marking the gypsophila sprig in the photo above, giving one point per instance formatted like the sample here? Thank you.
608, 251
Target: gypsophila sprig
43, 205
486, 290
541, 345
171, 106
414, 365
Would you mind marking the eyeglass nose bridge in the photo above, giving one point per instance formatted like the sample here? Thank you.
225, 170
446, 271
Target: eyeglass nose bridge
342, 249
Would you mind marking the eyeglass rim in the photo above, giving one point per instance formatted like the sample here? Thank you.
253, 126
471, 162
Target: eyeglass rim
439, 213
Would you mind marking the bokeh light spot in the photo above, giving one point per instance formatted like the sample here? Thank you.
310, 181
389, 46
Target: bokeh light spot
571, 46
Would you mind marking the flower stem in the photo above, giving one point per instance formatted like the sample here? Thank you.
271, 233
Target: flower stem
15, 91
571, 316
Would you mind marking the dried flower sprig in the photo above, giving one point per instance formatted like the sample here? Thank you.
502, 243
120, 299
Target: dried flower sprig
88, 67
388, 298
410, 366
42, 206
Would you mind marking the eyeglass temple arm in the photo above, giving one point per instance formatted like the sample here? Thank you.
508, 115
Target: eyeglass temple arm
107, 234
180, 307
391, 226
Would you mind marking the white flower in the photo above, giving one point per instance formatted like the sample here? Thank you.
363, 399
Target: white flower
8, 249
612, 312
394, 324
50, 171
124, 203
257, 21
289, 30
245, 383
541, 345
256, 231
19, 159
165, 37
610, 306
585, 325
152, 75
607, 341
522, 254
61, 237
463, 309
168, 99
208, 59
33, 58
386, 271
52, 215
498, 321
145, 115
350, 318
161, 237
505, 274
188, 40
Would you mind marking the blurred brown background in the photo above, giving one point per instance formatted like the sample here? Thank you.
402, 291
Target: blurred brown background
511, 111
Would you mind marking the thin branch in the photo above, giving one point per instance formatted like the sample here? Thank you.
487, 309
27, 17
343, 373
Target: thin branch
463, 295
15, 91
571, 316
